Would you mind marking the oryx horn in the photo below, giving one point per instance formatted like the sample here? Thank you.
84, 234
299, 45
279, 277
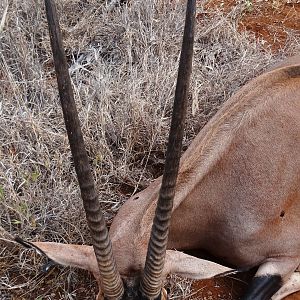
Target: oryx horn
151, 281
111, 281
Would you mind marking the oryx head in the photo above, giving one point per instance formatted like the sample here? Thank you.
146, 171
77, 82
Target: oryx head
148, 284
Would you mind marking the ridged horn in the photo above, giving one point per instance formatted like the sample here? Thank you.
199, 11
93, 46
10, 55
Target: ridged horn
151, 282
112, 284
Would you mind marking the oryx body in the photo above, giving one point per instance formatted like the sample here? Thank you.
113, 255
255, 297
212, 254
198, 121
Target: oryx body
238, 191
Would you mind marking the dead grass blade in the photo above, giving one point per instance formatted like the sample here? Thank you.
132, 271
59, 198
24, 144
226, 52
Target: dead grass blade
2, 23
5, 235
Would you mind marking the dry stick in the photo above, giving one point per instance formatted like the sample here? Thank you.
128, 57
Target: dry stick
3, 19
111, 282
5, 235
151, 281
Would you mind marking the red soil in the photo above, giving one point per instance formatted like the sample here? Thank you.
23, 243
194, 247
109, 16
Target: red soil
269, 20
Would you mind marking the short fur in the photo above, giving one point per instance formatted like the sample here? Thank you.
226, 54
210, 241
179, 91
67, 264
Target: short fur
237, 196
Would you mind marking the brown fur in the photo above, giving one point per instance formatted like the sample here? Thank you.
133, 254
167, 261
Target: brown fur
235, 180
238, 191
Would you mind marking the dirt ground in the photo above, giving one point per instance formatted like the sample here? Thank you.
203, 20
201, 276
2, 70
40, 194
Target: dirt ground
270, 20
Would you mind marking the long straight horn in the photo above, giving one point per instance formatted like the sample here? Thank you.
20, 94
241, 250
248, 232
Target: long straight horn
151, 282
111, 282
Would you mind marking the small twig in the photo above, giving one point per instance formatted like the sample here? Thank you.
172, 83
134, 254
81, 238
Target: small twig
6, 236
3, 18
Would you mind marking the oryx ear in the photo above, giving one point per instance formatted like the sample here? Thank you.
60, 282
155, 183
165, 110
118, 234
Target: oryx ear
79, 256
192, 267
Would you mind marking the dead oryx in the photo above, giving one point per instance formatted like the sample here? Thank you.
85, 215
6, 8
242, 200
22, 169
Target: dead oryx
237, 193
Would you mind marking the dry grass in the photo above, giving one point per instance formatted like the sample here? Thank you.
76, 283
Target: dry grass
123, 64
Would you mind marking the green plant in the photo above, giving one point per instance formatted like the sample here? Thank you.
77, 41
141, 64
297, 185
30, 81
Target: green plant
1, 193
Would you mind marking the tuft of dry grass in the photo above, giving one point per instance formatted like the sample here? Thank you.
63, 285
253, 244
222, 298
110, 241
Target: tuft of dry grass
123, 63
